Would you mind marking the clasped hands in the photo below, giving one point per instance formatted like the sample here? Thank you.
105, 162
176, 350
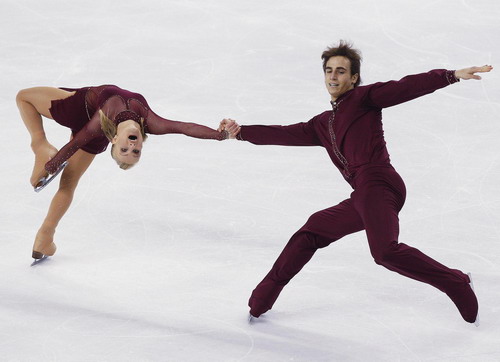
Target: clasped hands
230, 126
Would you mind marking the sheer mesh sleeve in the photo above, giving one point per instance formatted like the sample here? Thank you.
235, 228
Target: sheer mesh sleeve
86, 134
158, 125
90, 132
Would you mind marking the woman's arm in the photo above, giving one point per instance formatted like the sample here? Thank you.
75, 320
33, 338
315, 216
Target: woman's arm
91, 131
159, 125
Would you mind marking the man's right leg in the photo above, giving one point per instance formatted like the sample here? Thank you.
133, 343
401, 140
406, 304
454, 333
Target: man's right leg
322, 228
33, 103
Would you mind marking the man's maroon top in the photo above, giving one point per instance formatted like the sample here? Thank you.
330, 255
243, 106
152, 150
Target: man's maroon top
352, 132
79, 112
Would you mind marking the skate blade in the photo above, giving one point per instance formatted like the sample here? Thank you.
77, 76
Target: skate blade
251, 319
476, 322
44, 181
39, 258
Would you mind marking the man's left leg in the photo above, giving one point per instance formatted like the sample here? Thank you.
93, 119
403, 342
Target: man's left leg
378, 202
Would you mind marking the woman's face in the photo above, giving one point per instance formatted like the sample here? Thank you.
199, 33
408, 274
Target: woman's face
128, 142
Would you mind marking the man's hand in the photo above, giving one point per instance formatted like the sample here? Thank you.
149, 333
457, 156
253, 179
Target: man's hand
469, 73
230, 126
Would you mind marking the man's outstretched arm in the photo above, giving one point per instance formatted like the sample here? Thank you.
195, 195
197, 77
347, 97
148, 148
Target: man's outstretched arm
299, 134
388, 94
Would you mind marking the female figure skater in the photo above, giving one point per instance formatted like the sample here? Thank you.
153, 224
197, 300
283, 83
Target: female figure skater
96, 117
352, 134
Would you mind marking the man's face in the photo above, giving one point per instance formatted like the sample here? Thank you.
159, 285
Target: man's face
338, 78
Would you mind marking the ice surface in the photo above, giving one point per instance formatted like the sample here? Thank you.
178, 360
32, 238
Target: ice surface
157, 263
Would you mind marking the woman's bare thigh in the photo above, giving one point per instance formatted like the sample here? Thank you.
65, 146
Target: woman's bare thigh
41, 98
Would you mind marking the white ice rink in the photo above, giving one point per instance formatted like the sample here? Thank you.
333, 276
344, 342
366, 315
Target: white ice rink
157, 263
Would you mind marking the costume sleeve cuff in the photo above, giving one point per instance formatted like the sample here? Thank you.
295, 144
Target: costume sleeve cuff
450, 77
239, 137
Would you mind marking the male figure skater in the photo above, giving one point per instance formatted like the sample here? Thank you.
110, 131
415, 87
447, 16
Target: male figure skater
352, 135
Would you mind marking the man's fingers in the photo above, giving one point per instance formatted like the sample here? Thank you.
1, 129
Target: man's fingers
483, 69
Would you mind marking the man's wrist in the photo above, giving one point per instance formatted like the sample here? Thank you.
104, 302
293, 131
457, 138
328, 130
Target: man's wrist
452, 77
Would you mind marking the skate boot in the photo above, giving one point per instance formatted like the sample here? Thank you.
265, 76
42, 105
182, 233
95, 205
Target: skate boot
44, 246
465, 299
263, 297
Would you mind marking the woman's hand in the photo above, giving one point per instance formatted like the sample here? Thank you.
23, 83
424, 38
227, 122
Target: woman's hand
469, 73
229, 125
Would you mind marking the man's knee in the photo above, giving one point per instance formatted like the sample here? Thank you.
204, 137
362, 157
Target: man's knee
386, 254
307, 240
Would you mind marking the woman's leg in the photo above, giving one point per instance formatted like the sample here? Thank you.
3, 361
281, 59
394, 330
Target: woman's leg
61, 201
322, 228
33, 103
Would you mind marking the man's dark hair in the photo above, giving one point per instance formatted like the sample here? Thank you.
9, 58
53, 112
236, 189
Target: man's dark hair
345, 49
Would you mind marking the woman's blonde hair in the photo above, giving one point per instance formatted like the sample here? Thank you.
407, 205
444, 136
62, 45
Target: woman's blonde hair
109, 129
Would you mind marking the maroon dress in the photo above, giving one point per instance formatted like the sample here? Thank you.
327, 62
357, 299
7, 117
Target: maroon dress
353, 136
79, 112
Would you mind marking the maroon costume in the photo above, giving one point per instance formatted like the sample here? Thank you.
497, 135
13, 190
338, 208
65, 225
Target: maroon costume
353, 137
79, 112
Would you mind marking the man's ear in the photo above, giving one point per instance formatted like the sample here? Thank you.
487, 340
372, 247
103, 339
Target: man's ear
354, 78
